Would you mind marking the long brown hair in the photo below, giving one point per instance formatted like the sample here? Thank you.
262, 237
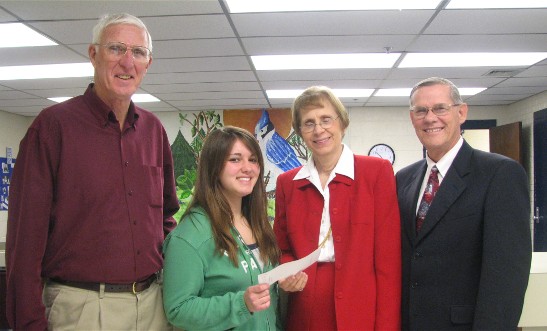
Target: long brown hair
208, 195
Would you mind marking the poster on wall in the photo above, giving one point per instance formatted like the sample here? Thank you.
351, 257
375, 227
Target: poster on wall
8, 163
281, 148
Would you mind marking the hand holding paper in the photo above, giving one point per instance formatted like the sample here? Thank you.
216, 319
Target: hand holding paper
288, 269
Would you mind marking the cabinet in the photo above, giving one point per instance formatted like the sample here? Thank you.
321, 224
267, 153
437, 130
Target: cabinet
3, 319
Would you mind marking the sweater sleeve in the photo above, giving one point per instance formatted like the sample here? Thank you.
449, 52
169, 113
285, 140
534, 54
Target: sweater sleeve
170, 199
31, 198
280, 223
185, 307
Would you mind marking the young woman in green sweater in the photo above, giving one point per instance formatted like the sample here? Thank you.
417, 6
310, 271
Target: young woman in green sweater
223, 242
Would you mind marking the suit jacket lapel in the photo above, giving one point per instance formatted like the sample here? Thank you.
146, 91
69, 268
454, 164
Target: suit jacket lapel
411, 193
451, 188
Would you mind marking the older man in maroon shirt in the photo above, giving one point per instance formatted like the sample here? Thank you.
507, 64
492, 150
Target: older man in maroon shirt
92, 197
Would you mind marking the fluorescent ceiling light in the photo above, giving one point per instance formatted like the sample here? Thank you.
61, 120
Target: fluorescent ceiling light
247, 6
59, 99
422, 60
144, 98
393, 92
325, 61
20, 35
47, 71
471, 90
473, 4
341, 93
405, 92
135, 98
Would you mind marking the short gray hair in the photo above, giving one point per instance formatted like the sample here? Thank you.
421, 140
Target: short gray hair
315, 96
123, 18
454, 92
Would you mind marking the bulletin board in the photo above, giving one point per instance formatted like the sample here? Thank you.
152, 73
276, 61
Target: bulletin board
7, 164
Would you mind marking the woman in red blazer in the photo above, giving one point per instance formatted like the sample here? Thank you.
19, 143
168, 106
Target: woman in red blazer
350, 200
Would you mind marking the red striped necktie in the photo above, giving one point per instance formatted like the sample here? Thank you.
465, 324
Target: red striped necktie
429, 193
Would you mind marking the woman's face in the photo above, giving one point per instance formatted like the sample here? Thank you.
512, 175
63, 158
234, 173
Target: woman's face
240, 173
323, 142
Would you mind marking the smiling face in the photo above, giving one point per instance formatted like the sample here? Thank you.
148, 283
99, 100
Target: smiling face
240, 173
117, 79
437, 133
324, 143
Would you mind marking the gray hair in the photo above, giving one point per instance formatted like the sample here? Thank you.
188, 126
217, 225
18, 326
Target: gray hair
113, 19
454, 93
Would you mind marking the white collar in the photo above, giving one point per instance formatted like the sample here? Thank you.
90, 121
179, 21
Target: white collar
344, 166
446, 161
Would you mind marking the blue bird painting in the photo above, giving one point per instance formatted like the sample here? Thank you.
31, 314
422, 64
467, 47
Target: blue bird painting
278, 154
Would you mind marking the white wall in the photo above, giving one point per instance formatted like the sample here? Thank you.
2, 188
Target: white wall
171, 123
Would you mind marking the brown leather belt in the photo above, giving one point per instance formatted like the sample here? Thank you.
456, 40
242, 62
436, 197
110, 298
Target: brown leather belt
134, 288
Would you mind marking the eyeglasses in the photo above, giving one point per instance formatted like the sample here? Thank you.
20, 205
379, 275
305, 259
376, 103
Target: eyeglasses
325, 123
117, 49
439, 110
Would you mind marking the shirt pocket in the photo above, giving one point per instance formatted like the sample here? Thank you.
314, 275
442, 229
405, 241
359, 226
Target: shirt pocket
155, 185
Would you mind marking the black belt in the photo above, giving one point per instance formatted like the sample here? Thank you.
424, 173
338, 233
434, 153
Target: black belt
134, 288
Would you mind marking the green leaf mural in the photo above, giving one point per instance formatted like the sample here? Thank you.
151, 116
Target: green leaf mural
183, 155
186, 155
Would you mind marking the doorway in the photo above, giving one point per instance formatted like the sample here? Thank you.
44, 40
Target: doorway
477, 133
540, 180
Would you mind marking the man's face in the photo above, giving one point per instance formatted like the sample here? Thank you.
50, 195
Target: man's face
437, 133
117, 78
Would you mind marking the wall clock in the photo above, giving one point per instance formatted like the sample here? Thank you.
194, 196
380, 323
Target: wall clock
383, 151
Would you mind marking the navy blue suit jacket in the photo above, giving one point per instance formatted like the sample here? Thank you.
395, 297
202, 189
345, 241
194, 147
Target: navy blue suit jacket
468, 267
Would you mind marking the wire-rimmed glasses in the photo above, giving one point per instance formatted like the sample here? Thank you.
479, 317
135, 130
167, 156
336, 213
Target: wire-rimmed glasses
325, 122
420, 112
117, 49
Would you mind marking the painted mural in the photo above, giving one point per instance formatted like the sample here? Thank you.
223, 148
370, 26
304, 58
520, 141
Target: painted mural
282, 149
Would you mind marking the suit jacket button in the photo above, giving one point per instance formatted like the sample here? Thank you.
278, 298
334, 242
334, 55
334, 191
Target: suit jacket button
414, 285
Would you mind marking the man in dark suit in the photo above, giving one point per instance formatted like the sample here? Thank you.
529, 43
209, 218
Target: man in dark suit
466, 267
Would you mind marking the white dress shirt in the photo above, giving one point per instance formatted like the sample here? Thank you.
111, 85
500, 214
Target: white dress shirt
443, 165
345, 166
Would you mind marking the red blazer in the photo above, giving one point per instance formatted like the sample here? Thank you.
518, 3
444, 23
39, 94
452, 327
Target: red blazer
367, 243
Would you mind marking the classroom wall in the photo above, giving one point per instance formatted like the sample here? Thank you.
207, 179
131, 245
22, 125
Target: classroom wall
523, 111
392, 126
368, 126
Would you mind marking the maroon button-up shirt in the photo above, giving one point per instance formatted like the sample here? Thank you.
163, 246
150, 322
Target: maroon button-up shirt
88, 202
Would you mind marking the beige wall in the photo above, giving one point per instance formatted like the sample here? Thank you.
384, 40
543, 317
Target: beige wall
392, 126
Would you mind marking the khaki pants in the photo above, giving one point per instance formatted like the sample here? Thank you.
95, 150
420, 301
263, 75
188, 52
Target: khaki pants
70, 308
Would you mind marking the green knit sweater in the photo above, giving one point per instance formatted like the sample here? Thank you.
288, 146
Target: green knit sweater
203, 290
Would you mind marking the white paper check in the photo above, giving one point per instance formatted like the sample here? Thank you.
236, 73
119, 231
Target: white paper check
289, 268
